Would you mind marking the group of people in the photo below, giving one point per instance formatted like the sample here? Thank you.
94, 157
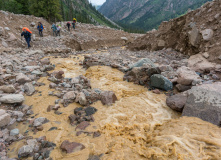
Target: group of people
55, 28
73, 24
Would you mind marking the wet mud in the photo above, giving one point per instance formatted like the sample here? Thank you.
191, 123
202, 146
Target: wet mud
138, 126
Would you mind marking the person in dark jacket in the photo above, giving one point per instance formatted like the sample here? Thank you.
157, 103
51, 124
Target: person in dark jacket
40, 29
27, 36
74, 23
68, 25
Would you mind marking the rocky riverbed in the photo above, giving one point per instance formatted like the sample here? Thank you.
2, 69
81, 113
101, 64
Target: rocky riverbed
85, 96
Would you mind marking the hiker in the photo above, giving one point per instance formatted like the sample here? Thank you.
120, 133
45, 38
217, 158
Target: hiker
27, 36
40, 29
74, 22
58, 30
68, 25
54, 28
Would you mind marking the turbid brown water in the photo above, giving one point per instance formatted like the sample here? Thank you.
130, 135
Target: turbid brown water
138, 126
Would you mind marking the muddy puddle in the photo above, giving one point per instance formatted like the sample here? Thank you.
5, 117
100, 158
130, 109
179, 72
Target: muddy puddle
138, 126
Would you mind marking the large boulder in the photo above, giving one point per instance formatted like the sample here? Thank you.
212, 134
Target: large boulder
176, 102
204, 102
161, 82
5, 118
186, 76
71, 147
12, 98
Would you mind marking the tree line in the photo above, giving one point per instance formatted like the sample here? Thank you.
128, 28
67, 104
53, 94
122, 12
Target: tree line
52, 10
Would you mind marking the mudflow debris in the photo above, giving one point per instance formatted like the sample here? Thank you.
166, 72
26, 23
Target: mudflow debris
101, 93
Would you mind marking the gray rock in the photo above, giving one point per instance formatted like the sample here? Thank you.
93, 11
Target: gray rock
12, 98
22, 78
161, 82
14, 132
39, 121
18, 114
7, 29
69, 95
204, 102
2, 31
194, 37
82, 99
93, 157
25, 151
5, 118
186, 76
36, 72
124, 38
141, 62
32, 52
8, 89
207, 34
29, 89
108, 97
4, 44
182, 88
32, 24
176, 102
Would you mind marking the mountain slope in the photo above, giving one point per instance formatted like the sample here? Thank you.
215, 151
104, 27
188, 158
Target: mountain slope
147, 14
67, 9
84, 12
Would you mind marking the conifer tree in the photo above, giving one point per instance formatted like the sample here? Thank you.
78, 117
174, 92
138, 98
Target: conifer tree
50, 9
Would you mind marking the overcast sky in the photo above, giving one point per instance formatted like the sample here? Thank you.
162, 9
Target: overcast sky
98, 2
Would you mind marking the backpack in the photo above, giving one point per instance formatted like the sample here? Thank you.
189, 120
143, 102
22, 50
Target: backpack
25, 28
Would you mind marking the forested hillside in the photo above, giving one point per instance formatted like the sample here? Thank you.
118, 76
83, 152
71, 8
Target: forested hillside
145, 14
57, 10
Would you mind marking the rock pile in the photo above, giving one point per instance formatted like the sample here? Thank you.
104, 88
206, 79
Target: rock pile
196, 32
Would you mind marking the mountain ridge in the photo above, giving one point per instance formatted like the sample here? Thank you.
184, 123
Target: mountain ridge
149, 13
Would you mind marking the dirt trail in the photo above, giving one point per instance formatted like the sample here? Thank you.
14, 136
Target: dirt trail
138, 126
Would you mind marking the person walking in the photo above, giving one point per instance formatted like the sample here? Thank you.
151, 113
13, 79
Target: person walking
27, 36
40, 29
68, 25
54, 28
58, 30
74, 22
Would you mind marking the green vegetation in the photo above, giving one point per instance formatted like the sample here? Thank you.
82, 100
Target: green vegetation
57, 10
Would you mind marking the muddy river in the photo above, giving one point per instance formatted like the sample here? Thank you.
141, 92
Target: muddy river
138, 126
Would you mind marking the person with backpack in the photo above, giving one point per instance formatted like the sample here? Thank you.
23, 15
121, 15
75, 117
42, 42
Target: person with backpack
68, 25
27, 36
40, 29
58, 30
74, 22
54, 28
